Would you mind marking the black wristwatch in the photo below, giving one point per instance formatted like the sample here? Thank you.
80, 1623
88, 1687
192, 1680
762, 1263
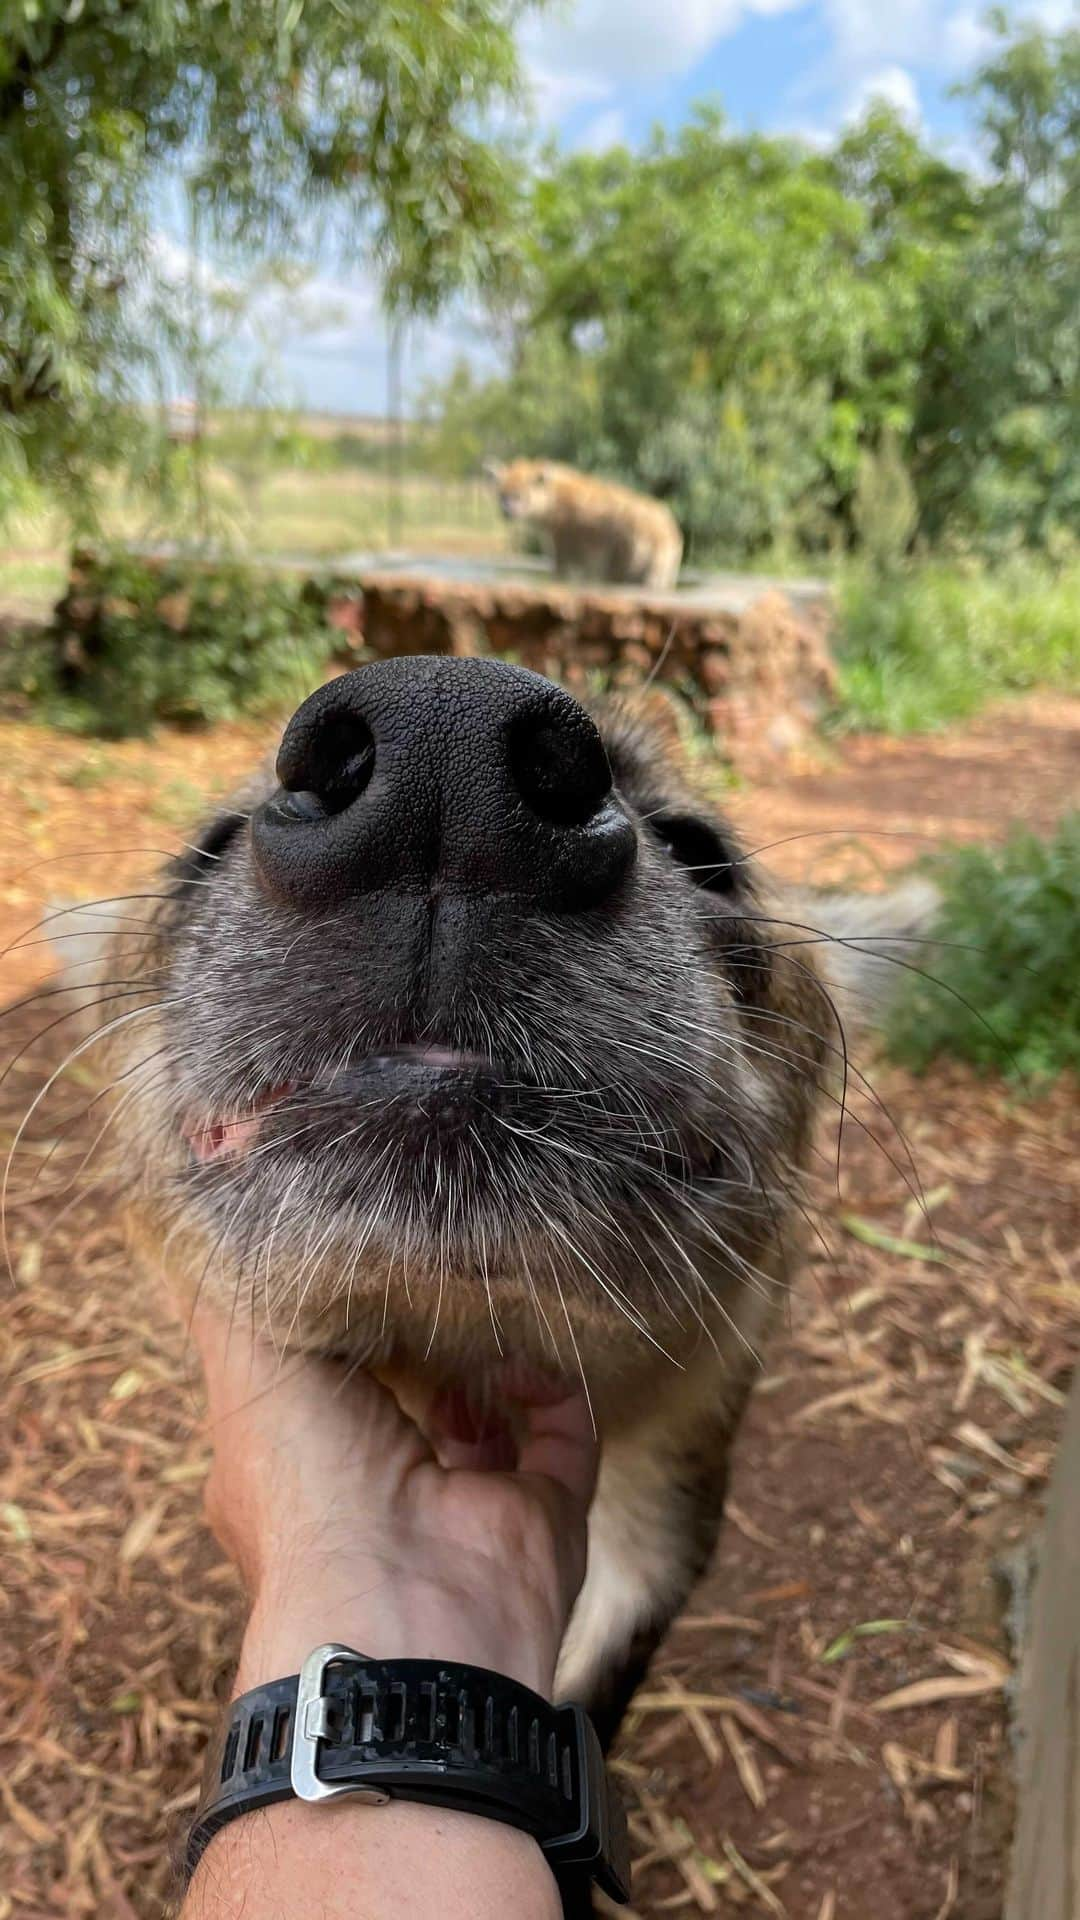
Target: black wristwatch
427, 1730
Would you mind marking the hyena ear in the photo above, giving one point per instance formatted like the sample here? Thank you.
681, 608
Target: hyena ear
493, 470
870, 941
662, 713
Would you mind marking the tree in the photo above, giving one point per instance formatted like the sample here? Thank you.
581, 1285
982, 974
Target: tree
1014, 454
367, 113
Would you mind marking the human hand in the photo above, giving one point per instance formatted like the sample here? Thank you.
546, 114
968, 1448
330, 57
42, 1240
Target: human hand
350, 1522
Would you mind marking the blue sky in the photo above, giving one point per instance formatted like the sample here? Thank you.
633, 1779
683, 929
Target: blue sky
608, 70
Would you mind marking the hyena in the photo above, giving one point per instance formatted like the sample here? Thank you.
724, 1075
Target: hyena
470, 1031
598, 530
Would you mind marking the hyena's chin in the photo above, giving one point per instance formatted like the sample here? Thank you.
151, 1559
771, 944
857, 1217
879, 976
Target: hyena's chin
477, 1179
473, 1017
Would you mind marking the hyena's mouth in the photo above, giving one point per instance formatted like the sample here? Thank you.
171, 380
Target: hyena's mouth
422, 1086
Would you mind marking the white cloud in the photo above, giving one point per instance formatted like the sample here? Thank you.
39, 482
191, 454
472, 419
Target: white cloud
947, 38
1055, 14
966, 40
176, 267
867, 33
557, 93
326, 315
599, 46
874, 46
969, 38
895, 85
608, 129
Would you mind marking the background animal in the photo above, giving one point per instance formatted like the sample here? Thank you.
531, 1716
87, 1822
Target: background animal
597, 529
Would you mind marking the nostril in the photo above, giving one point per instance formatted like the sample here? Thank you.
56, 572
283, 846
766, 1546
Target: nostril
558, 764
327, 768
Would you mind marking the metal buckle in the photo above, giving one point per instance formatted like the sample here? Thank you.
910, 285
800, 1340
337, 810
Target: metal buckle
311, 1725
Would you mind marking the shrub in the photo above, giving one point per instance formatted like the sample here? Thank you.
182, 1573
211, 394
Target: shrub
137, 641
742, 471
884, 508
935, 642
1006, 987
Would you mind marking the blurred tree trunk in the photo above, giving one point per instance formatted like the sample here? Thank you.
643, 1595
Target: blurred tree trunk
1045, 1880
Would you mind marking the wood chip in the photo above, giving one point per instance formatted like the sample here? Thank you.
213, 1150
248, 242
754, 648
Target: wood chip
721, 1623
34, 1829
944, 1686
747, 1526
699, 1725
947, 1742
952, 1890
140, 1534
745, 1763
753, 1880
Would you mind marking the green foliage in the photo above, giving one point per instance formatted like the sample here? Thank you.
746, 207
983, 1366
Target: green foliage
363, 111
269, 441
932, 644
140, 642
1014, 393
1006, 991
746, 476
884, 508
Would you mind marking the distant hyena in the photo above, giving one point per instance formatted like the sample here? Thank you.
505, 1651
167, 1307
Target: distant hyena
597, 528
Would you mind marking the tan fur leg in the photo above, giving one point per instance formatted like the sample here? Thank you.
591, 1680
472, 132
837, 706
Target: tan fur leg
652, 1530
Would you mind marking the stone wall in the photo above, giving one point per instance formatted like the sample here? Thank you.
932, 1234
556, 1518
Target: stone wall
758, 678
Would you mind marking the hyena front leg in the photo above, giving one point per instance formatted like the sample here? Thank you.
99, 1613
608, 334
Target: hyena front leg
652, 1530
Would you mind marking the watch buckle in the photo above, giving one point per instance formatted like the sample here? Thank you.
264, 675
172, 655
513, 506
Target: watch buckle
311, 1726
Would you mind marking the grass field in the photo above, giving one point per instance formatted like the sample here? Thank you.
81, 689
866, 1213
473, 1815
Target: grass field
272, 510
935, 643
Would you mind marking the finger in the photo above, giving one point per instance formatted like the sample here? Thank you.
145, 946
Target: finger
319, 1411
560, 1446
465, 1436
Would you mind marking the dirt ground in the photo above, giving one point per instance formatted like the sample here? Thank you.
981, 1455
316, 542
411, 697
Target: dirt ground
825, 1734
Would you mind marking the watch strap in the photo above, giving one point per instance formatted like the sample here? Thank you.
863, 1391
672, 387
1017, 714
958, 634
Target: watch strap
436, 1732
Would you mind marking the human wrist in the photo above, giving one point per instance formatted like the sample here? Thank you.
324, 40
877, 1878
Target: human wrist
416, 1619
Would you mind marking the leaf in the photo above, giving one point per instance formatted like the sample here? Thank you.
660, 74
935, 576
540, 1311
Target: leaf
873, 1236
126, 1384
866, 1630
16, 1523
141, 1531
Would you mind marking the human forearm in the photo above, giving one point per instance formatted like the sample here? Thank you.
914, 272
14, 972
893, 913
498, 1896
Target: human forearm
347, 1861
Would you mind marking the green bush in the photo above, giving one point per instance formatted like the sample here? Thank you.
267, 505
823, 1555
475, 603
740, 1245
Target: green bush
137, 641
1006, 986
884, 508
935, 642
744, 472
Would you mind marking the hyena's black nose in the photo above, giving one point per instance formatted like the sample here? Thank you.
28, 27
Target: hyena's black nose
434, 774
